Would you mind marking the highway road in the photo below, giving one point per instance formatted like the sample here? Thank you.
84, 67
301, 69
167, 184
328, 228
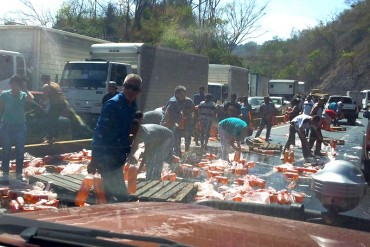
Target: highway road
350, 151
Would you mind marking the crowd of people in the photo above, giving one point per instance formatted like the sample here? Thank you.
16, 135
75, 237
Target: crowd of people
120, 127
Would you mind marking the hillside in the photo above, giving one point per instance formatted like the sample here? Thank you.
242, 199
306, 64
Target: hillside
333, 57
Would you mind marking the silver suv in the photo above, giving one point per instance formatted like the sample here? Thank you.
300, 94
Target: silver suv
349, 109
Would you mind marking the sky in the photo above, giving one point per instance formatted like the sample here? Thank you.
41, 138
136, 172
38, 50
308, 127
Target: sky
282, 16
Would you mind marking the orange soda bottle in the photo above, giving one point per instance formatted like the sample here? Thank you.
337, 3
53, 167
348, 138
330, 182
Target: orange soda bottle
125, 171
182, 122
83, 193
99, 189
237, 156
132, 179
286, 156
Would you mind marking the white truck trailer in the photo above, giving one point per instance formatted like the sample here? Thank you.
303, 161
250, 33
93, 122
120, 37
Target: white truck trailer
258, 84
45, 50
227, 78
162, 69
283, 88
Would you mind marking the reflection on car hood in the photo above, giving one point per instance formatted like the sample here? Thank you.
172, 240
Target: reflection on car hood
198, 225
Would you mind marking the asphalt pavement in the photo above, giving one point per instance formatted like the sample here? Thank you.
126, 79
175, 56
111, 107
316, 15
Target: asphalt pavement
264, 164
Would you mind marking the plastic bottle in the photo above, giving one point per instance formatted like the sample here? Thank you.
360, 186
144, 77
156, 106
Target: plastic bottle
291, 157
125, 171
99, 189
182, 122
83, 193
333, 144
291, 154
132, 179
237, 156
286, 156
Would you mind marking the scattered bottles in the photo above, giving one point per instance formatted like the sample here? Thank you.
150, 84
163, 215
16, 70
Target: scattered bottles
132, 179
99, 189
85, 188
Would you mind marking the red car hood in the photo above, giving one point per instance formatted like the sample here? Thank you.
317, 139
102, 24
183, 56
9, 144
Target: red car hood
197, 225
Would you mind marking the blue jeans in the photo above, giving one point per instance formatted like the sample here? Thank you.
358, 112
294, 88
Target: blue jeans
13, 133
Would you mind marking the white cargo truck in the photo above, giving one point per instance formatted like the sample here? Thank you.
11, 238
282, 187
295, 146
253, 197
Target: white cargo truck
258, 84
45, 50
283, 88
11, 63
162, 69
227, 78
365, 99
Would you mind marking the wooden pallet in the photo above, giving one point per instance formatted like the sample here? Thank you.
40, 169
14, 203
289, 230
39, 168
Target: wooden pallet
166, 191
67, 186
263, 145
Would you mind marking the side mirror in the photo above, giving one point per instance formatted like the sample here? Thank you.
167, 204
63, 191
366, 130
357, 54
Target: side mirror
366, 114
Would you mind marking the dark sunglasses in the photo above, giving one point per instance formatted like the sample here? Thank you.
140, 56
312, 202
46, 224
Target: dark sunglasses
134, 88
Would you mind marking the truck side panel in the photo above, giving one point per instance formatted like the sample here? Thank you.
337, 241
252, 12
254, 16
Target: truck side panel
258, 84
238, 83
283, 88
163, 69
219, 73
45, 50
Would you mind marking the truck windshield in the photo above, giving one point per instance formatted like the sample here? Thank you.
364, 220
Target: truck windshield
85, 75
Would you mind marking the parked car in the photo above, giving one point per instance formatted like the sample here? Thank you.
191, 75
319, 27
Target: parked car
365, 157
281, 104
255, 102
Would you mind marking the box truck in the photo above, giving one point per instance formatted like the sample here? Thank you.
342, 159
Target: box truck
45, 50
162, 69
283, 88
227, 78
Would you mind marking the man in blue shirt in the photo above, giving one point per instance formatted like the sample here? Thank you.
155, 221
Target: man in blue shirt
111, 143
199, 97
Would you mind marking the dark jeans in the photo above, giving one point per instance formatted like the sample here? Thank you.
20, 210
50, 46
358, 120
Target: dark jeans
205, 131
13, 133
291, 141
111, 169
54, 113
178, 133
312, 139
264, 122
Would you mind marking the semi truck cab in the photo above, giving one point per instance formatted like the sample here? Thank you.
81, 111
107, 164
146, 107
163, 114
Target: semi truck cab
84, 84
